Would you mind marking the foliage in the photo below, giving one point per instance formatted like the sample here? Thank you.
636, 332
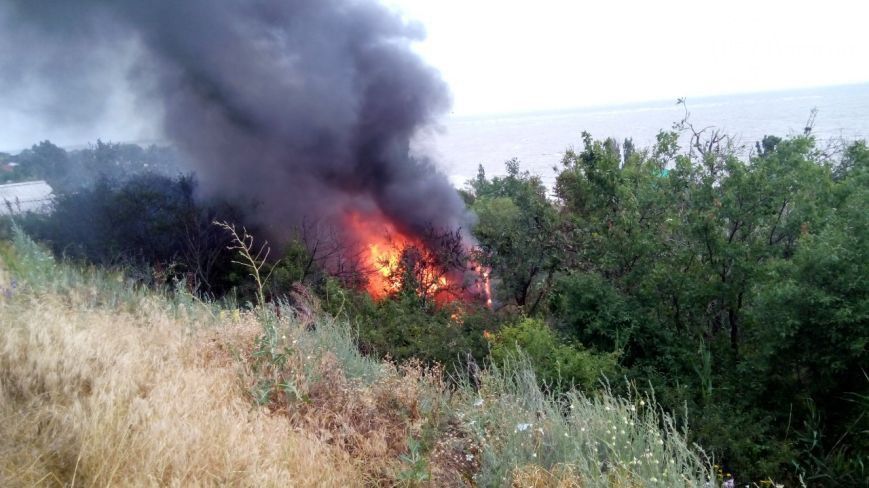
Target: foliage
70, 171
402, 328
732, 282
559, 365
577, 440
150, 224
516, 232
159, 398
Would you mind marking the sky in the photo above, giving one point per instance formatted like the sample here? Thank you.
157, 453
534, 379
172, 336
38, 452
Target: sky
502, 56
505, 56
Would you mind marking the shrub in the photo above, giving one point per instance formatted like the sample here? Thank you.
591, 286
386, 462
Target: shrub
555, 363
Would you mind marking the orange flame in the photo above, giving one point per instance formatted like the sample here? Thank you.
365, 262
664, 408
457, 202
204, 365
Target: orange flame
381, 248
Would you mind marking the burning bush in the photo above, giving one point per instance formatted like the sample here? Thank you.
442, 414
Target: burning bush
434, 266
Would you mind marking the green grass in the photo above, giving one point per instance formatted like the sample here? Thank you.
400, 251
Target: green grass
603, 440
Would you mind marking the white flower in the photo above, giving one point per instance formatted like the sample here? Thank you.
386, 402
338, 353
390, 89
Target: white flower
478, 403
469, 457
523, 427
642, 403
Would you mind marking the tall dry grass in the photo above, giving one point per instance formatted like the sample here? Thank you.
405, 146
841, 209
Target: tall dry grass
100, 396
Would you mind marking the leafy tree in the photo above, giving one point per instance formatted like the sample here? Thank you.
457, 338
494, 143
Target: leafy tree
517, 233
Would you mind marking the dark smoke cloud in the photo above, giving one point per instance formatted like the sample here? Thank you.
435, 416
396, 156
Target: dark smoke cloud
306, 105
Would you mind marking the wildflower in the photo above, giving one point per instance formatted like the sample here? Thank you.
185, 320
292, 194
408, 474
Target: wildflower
534, 454
653, 479
523, 427
469, 457
478, 403
642, 403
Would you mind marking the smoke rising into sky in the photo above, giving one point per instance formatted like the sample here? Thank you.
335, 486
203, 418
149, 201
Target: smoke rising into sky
307, 105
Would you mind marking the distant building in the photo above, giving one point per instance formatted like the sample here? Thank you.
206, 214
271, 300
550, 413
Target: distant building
28, 196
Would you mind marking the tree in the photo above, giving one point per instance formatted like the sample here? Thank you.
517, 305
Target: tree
518, 235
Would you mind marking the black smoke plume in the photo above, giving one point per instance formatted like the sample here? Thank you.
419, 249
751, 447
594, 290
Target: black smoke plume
308, 106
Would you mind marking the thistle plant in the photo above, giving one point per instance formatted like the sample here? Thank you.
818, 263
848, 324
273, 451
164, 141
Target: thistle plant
252, 258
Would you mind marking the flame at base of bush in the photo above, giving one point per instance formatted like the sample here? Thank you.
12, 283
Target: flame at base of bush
436, 265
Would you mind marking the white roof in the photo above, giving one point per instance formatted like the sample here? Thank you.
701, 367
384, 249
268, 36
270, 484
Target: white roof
29, 196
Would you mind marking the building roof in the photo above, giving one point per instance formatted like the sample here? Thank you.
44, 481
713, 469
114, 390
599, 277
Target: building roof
28, 196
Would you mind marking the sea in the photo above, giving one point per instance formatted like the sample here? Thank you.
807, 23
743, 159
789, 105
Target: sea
538, 140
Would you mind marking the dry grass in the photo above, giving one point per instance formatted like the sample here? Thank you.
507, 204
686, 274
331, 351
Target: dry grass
534, 476
100, 397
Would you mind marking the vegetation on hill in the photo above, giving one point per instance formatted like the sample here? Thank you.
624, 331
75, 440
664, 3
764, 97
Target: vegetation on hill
107, 382
728, 282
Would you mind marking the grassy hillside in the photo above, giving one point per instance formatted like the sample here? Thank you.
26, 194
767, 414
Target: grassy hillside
102, 382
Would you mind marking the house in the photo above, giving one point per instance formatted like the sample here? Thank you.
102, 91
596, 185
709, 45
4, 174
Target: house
28, 196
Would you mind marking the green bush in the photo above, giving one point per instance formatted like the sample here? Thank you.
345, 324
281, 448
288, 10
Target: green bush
556, 363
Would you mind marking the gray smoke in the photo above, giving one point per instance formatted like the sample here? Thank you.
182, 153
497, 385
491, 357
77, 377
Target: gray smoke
308, 106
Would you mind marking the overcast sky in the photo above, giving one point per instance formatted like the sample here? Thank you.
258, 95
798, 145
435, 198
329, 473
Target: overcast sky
501, 56
507, 56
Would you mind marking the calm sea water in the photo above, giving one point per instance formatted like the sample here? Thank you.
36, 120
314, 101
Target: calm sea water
540, 139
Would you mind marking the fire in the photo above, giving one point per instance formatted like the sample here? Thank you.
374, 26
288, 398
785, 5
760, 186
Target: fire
386, 253
382, 248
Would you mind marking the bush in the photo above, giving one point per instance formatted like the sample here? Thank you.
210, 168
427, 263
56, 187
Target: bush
151, 225
401, 329
556, 363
